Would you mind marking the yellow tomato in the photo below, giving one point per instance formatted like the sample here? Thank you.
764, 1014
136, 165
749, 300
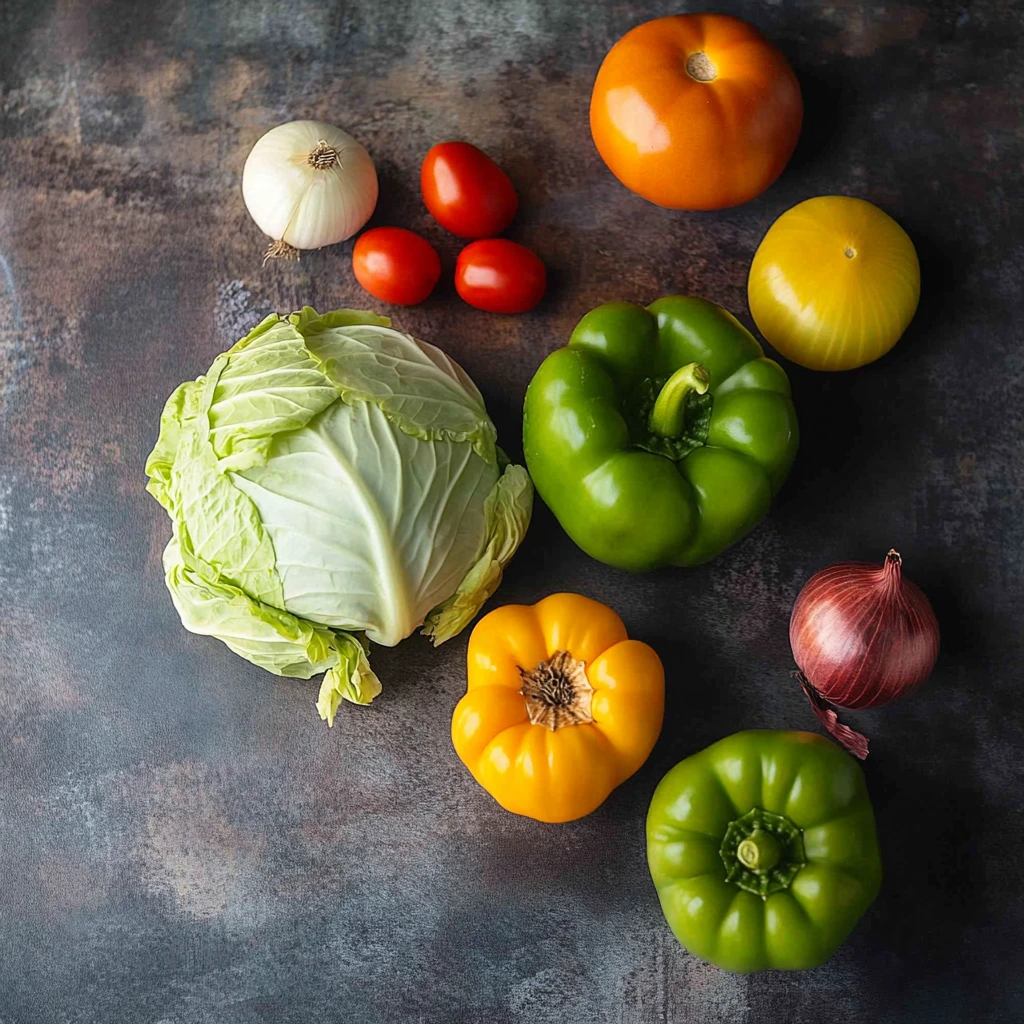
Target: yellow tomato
834, 283
561, 707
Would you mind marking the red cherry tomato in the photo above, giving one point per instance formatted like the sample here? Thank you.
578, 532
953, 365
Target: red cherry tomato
500, 276
395, 265
466, 191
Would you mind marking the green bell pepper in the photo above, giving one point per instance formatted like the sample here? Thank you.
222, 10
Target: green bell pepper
763, 851
658, 436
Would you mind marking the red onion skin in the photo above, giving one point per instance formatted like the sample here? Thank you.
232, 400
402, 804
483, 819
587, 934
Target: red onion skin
862, 635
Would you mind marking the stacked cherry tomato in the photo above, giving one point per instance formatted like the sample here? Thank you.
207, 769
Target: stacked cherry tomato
467, 193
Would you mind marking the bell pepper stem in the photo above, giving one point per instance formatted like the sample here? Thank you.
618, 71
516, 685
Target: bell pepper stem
668, 417
760, 851
558, 692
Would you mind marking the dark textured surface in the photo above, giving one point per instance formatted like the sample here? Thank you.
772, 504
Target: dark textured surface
181, 840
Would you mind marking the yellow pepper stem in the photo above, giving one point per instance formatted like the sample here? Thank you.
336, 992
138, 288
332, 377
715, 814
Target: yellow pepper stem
668, 417
557, 692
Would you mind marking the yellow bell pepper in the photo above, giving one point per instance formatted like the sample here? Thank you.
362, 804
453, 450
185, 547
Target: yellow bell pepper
561, 706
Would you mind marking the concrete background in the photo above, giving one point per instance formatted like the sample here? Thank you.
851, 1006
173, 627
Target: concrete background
181, 840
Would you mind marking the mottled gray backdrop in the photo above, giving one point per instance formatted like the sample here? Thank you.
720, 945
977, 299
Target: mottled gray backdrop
181, 840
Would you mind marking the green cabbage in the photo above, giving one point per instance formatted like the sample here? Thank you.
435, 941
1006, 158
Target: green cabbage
332, 481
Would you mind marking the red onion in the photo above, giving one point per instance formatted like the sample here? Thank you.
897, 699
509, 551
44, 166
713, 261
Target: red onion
862, 636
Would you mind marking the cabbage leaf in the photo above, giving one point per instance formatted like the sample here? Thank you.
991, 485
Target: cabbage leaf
332, 481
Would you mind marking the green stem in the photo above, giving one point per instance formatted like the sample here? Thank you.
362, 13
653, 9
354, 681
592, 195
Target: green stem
668, 417
760, 851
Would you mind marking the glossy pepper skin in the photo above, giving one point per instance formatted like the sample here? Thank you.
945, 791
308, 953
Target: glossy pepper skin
560, 708
658, 436
762, 848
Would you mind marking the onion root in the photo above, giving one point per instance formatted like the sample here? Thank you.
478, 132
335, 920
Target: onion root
280, 250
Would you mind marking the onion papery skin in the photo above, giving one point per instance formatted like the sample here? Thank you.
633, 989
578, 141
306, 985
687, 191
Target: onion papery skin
863, 634
300, 204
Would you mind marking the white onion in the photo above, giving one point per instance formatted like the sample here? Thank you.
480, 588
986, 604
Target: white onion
308, 184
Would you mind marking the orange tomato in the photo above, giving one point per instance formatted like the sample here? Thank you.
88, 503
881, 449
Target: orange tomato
695, 111
561, 706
